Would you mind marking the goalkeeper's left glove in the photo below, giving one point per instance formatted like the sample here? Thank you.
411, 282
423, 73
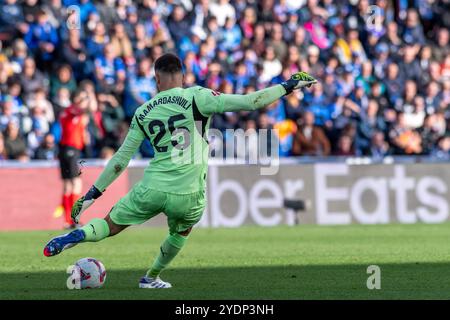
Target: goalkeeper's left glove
297, 81
84, 202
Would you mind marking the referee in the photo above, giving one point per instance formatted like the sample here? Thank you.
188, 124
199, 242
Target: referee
74, 121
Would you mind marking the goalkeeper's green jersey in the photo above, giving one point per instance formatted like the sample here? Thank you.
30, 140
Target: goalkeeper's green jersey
176, 123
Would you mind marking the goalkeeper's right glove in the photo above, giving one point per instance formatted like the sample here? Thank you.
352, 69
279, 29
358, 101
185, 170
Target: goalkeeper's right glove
84, 202
297, 81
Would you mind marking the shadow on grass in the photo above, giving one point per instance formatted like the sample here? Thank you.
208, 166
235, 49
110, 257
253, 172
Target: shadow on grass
398, 281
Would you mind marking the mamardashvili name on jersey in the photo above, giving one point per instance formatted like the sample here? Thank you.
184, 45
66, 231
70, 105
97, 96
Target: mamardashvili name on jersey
182, 102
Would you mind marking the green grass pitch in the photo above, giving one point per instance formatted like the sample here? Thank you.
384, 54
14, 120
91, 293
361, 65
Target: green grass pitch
302, 262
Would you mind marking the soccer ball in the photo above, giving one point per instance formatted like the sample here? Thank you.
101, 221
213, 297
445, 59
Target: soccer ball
92, 273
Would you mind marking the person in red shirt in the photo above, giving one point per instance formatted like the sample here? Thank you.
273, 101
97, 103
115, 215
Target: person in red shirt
74, 121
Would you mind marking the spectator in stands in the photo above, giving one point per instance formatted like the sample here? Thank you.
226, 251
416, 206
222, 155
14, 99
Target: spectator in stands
432, 98
285, 133
178, 25
96, 43
277, 42
56, 12
316, 28
441, 50
8, 114
248, 22
440, 123
86, 8
18, 56
140, 42
394, 82
435, 72
259, 40
42, 39
271, 65
47, 150
276, 112
310, 140
359, 97
378, 93
392, 39
424, 61
61, 100
379, 147
39, 100
381, 61
366, 78
429, 134
14, 92
293, 106
263, 123
140, 87
12, 20
317, 103
222, 10
95, 130
39, 128
30, 10
31, 78
316, 66
75, 54
240, 78
110, 71
406, 102
62, 79
415, 117
413, 32
231, 36
442, 150
370, 123
409, 66
14, 142
405, 140
121, 43
344, 147
112, 117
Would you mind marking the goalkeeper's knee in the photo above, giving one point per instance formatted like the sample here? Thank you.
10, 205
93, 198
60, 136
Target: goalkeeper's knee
186, 232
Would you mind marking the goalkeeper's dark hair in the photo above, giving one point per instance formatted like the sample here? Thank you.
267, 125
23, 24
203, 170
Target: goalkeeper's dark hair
168, 63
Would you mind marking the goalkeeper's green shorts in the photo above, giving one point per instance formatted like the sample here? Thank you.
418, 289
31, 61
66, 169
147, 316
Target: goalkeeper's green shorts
142, 203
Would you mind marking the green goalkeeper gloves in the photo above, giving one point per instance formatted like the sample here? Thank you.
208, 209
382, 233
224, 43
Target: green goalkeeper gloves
84, 202
298, 80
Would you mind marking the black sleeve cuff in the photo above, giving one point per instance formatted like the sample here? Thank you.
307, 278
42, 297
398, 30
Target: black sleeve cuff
93, 193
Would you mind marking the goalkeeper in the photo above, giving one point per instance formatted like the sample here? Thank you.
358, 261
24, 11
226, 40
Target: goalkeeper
175, 121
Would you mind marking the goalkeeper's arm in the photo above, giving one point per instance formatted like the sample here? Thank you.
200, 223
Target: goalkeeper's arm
255, 100
116, 165
252, 101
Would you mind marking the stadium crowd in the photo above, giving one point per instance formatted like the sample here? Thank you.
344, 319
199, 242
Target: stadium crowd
384, 71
